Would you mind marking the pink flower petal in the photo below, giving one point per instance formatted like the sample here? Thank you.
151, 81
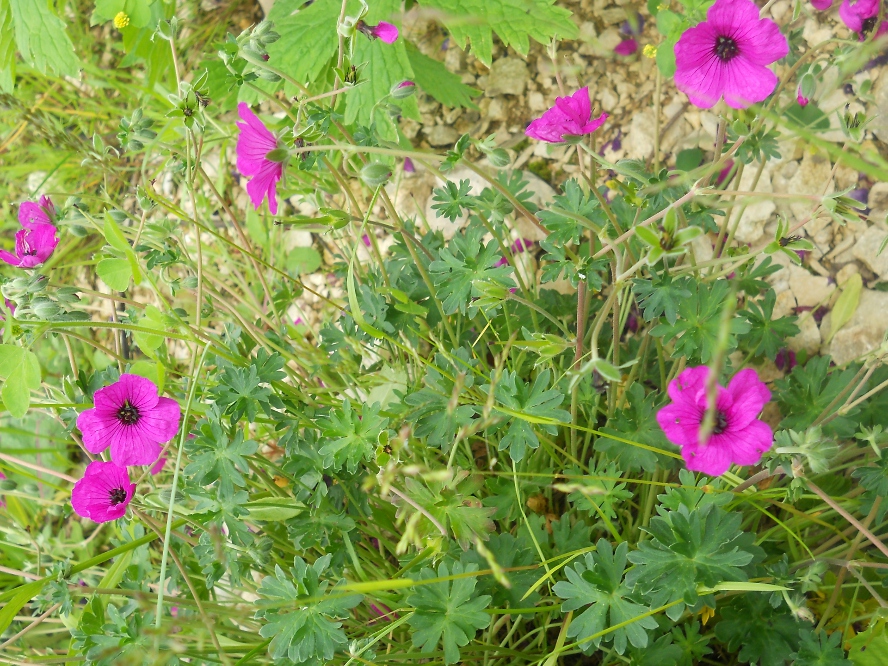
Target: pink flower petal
386, 32
103, 493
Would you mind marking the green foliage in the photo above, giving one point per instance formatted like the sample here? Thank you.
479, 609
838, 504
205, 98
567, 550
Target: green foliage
244, 391
809, 390
453, 505
31, 28
766, 335
464, 266
302, 624
762, 634
438, 415
597, 585
350, 438
513, 21
696, 330
636, 422
820, 649
527, 406
687, 549
216, 457
662, 297
448, 612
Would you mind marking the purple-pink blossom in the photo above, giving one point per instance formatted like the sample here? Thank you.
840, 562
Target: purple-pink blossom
261, 156
626, 48
383, 30
519, 246
738, 436
571, 116
158, 466
132, 419
821, 5
103, 493
37, 239
727, 56
862, 16
800, 98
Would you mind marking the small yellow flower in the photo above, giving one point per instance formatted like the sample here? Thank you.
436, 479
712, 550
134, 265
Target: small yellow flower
121, 20
662, 6
706, 614
650, 51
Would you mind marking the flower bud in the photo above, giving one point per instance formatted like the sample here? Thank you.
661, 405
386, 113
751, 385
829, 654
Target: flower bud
376, 174
277, 155
499, 158
43, 308
8, 484
403, 90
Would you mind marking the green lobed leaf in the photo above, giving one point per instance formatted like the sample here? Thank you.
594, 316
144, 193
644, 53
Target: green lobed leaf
596, 584
41, 38
435, 79
115, 273
448, 612
308, 37
515, 22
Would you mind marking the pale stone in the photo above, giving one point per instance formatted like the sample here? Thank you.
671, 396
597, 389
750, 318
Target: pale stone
639, 140
758, 211
813, 177
807, 339
879, 126
867, 250
441, 135
865, 330
846, 272
785, 304
878, 202
809, 290
508, 76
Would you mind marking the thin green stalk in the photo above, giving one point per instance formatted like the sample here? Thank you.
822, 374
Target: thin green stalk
169, 524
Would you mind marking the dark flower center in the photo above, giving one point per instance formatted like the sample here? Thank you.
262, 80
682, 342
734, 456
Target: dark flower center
726, 48
128, 415
117, 496
721, 423
868, 25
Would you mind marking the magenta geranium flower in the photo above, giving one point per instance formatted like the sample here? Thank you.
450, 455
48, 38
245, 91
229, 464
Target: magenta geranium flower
861, 17
738, 437
103, 493
37, 239
384, 31
131, 419
821, 5
626, 48
571, 116
728, 55
261, 156
158, 466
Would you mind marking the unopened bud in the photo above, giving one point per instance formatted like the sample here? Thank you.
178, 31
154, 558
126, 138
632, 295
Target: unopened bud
403, 90
376, 174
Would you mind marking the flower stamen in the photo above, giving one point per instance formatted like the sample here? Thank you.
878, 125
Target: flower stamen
117, 496
128, 415
721, 423
726, 48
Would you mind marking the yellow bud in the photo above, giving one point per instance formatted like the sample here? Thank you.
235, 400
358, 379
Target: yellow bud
121, 20
613, 184
650, 51
662, 6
